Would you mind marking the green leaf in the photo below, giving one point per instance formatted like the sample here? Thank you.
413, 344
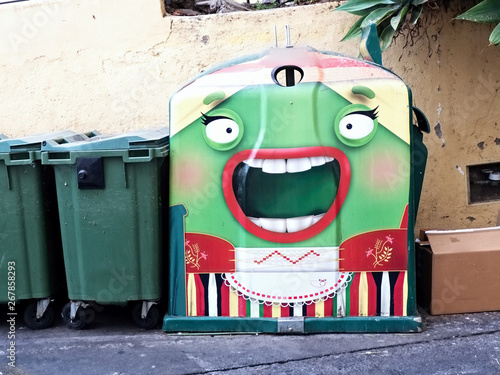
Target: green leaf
418, 2
399, 18
386, 37
357, 5
369, 45
415, 14
485, 11
495, 36
364, 12
355, 30
379, 15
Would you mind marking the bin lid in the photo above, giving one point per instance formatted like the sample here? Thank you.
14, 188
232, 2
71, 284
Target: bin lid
35, 142
140, 139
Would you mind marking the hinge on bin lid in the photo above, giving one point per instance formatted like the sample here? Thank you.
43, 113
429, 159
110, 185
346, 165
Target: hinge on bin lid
294, 324
90, 173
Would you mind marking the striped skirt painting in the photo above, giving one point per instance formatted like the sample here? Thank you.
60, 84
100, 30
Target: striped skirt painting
365, 294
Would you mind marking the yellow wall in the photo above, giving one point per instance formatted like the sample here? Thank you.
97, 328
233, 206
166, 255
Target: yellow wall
113, 65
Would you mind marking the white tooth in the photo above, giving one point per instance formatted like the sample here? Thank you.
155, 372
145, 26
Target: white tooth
274, 225
317, 160
298, 165
274, 166
329, 158
255, 220
254, 163
317, 218
294, 224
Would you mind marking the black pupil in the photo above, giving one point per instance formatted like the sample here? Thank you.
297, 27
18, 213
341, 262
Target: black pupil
229, 130
349, 126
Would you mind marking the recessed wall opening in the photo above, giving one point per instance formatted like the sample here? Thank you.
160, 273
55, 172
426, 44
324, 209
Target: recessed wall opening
484, 183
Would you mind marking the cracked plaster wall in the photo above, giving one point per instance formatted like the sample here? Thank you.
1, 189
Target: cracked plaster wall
113, 65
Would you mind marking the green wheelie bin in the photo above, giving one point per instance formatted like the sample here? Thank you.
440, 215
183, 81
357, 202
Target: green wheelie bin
31, 267
109, 191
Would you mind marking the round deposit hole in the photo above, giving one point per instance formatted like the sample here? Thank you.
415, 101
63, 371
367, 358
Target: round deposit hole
287, 75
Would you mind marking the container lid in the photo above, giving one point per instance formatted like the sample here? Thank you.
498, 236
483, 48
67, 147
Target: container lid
141, 139
35, 142
465, 240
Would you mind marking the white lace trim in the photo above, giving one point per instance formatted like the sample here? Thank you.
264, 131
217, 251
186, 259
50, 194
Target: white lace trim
290, 304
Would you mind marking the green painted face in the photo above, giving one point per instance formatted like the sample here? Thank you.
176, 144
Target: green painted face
289, 187
273, 165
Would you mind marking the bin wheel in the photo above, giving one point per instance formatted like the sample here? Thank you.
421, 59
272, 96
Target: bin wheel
32, 322
80, 319
151, 320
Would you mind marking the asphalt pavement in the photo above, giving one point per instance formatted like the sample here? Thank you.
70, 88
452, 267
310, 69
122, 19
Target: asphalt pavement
112, 345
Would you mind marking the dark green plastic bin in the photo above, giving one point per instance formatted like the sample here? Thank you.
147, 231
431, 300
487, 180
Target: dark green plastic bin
30, 251
109, 192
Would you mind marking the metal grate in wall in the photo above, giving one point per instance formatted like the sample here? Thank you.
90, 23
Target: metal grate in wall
484, 183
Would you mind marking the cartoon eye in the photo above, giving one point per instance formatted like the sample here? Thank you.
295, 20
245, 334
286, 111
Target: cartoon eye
222, 132
356, 126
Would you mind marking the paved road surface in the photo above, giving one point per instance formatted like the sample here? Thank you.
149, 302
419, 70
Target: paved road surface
454, 344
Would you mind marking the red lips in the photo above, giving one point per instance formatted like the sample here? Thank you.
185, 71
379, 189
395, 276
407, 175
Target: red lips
290, 153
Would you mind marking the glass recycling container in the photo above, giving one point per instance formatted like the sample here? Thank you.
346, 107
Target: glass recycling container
31, 267
294, 183
109, 192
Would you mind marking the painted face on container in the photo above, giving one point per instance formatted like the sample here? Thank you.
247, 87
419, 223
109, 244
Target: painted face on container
292, 172
285, 156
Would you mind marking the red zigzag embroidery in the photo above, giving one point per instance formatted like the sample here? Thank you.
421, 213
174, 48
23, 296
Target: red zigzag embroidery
276, 252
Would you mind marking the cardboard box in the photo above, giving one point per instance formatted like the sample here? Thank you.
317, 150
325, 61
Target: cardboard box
422, 238
460, 271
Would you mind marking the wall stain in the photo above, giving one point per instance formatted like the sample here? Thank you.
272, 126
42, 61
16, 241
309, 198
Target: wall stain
497, 141
438, 130
471, 218
481, 145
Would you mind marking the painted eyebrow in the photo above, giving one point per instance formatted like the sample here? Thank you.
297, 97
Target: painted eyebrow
373, 114
206, 119
363, 90
216, 95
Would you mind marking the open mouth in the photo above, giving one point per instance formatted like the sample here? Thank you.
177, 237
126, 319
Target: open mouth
286, 195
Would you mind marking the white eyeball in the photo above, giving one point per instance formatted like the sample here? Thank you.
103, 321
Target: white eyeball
222, 130
356, 126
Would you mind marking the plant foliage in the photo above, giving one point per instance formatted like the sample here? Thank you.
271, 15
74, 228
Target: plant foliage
390, 15
487, 11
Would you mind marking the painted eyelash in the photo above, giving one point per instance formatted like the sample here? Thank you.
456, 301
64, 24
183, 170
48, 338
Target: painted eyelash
208, 119
373, 114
